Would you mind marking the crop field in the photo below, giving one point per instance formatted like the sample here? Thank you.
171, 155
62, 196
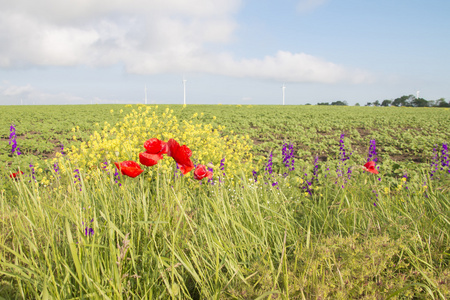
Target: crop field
403, 134
262, 202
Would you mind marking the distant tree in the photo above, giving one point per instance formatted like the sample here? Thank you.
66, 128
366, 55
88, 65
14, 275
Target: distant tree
323, 103
376, 103
442, 103
357, 104
341, 103
419, 102
369, 104
386, 102
403, 101
308, 104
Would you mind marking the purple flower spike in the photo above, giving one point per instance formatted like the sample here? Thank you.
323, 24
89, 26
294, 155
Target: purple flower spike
444, 156
88, 231
255, 175
288, 156
13, 141
269, 164
372, 151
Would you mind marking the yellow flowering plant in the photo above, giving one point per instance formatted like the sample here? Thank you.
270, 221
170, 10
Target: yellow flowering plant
124, 141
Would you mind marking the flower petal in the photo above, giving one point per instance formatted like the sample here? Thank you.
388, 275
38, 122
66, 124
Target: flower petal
148, 159
129, 168
155, 146
181, 155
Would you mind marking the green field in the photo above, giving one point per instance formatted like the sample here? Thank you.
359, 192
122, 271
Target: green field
72, 229
401, 133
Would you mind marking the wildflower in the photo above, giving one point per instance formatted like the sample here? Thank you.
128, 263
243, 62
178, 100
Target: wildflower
117, 177
372, 152
404, 179
88, 231
129, 168
200, 172
56, 168
33, 173
269, 164
13, 141
14, 175
148, 159
255, 175
155, 146
77, 178
316, 168
342, 148
222, 166
444, 157
370, 167
210, 169
181, 154
288, 156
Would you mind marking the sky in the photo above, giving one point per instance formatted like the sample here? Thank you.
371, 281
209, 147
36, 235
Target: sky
228, 51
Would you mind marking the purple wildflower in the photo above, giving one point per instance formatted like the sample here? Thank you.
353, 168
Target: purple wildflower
288, 156
56, 168
343, 157
77, 179
316, 168
372, 151
268, 168
117, 177
88, 231
255, 175
210, 169
342, 148
444, 157
222, 169
33, 173
13, 141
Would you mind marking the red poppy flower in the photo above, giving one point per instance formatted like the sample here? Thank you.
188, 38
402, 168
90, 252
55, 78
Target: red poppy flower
155, 146
181, 155
154, 151
200, 172
129, 168
370, 167
148, 159
14, 175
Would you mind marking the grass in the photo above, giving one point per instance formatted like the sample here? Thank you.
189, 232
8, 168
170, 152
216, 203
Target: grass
171, 238
326, 230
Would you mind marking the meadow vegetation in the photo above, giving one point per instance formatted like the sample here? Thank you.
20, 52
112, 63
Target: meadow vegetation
289, 213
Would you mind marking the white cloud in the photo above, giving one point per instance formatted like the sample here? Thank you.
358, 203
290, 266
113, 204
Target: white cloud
13, 95
147, 37
13, 90
294, 67
305, 6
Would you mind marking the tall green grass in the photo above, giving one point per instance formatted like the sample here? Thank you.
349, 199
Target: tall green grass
174, 238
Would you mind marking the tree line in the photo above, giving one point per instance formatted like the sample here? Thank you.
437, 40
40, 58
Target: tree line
405, 100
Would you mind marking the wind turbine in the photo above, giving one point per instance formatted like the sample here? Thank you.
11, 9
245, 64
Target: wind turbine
284, 88
184, 91
146, 95
418, 92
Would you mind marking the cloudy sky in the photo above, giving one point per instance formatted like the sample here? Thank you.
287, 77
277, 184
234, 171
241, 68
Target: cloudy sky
229, 51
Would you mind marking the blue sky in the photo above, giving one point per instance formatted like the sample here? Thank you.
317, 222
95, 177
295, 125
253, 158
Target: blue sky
229, 51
